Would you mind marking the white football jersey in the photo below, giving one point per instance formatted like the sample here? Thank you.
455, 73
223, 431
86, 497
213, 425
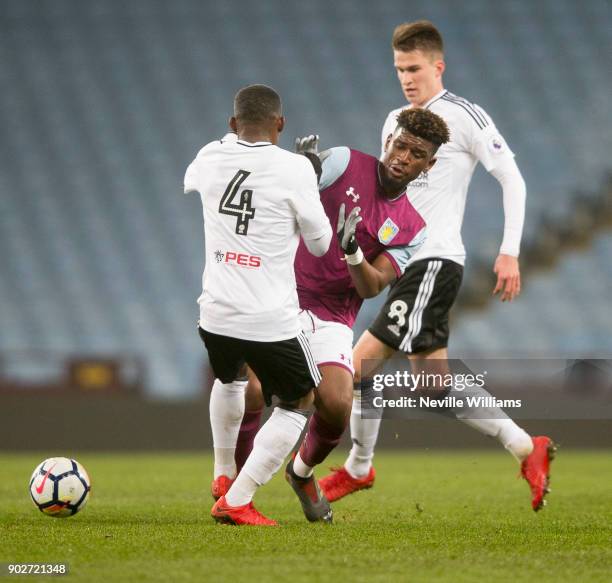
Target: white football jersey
257, 199
440, 195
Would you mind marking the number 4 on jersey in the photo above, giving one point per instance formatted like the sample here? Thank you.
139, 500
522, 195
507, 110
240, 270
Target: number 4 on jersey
243, 211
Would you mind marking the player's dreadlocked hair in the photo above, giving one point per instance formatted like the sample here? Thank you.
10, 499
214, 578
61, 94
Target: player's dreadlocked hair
421, 35
257, 103
424, 124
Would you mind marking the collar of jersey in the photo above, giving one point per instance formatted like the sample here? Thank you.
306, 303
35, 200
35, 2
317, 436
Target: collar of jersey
434, 98
253, 144
400, 195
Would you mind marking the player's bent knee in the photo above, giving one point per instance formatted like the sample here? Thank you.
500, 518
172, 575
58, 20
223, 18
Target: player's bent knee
335, 408
254, 399
334, 395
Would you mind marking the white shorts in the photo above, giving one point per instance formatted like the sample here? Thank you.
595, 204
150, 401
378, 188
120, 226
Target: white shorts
331, 343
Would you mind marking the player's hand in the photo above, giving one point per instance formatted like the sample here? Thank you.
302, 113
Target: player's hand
307, 145
508, 277
346, 229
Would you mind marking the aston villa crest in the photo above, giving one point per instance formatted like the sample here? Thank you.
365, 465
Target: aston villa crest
387, 232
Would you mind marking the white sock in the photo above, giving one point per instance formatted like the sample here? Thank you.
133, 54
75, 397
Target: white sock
226, 411
364, 434
272, 445
300, 468
516, 440
242, 490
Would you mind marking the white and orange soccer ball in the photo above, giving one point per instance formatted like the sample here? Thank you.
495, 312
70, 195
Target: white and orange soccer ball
60, 487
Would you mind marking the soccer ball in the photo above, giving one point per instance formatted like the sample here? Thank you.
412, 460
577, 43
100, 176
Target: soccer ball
60, 487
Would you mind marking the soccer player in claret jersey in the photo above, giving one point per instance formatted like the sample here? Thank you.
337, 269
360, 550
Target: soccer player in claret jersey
257, 200
414, 319
378, 232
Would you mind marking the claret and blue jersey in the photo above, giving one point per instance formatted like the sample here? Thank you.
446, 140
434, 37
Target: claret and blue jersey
392, 227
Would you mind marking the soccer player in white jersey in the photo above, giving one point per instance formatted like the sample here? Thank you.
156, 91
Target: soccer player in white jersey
414, 319
257, 200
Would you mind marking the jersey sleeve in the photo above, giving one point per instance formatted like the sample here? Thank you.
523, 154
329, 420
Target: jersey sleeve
401, 255
311, 218
190, 183
334, 163
487, 144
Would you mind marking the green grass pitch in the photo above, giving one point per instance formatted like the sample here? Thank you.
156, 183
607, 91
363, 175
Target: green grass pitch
432, 516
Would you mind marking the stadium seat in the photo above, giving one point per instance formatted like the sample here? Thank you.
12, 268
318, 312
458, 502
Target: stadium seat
105, 104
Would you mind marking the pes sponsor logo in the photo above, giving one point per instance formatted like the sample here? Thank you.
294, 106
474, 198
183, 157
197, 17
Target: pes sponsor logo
237, 259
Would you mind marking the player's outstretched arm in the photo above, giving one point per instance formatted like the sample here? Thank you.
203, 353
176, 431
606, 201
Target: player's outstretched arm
313, 222
372, 278
369, 278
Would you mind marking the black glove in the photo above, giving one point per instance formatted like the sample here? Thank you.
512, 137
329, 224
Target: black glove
346, 229
308, 146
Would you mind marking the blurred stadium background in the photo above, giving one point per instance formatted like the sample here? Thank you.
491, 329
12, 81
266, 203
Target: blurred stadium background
104, 104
